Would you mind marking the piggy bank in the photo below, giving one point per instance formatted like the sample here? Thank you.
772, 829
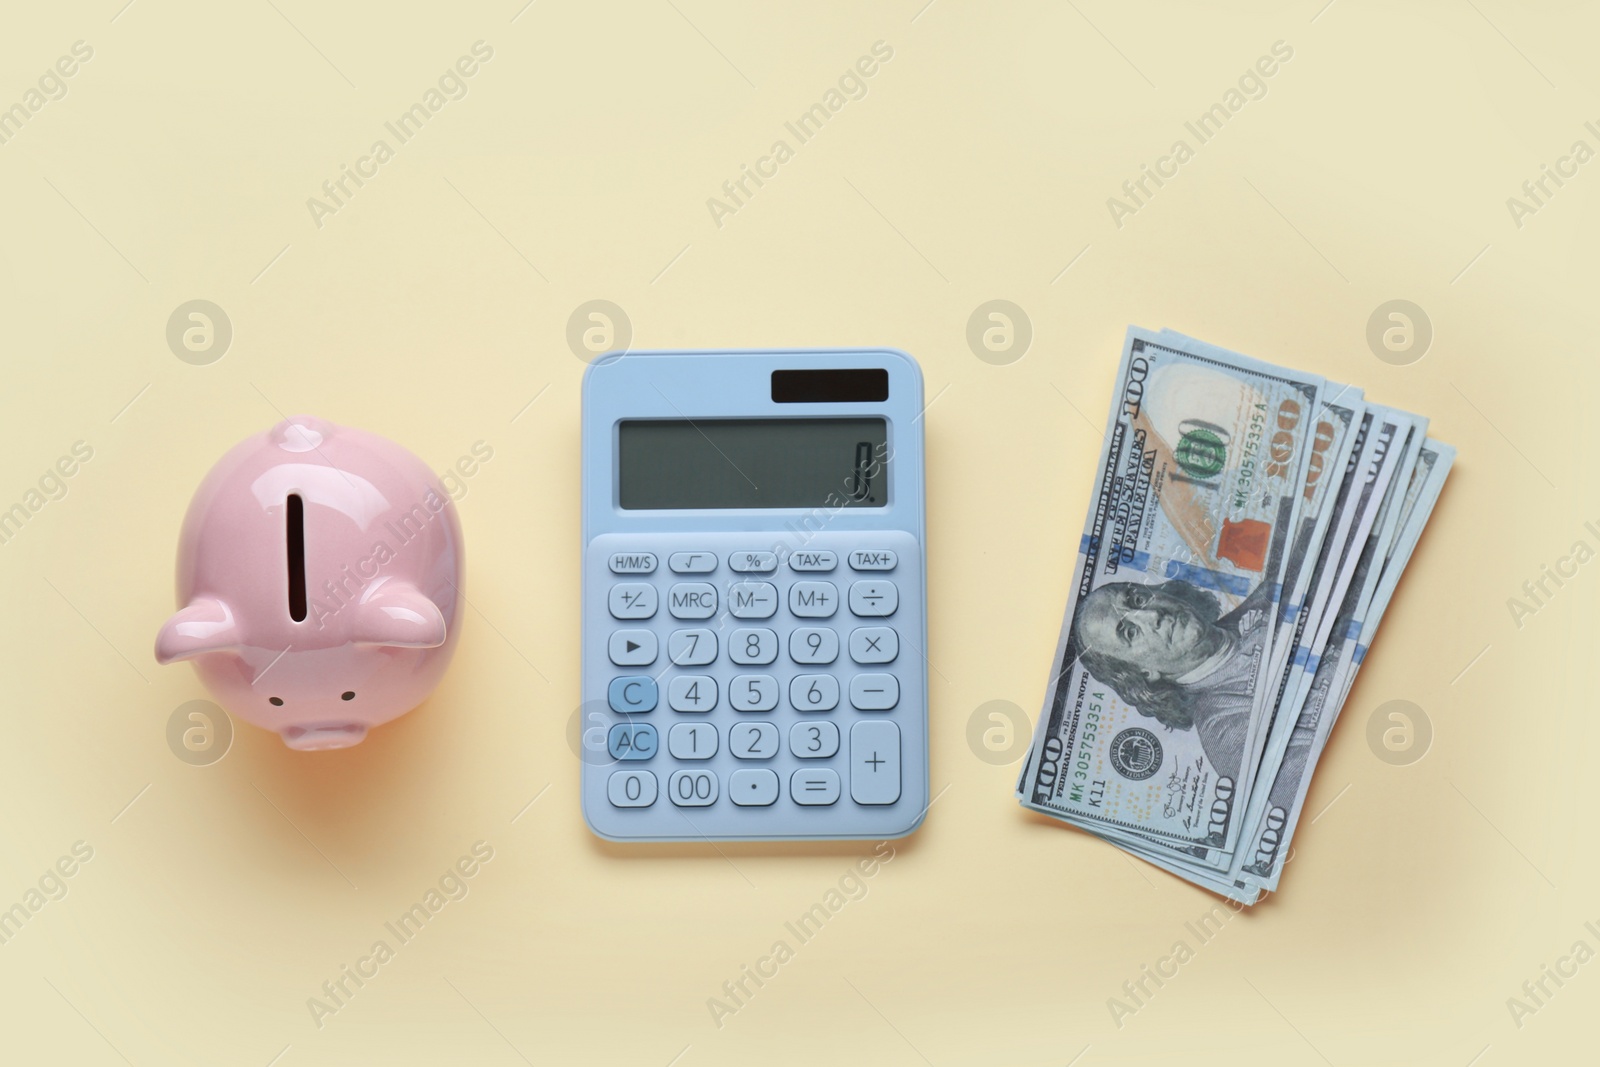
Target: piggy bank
319, 582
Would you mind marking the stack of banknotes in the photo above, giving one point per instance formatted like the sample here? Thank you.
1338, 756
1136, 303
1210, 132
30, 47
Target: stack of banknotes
1247, 528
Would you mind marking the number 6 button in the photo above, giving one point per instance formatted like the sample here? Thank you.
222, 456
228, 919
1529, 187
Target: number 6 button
814, 692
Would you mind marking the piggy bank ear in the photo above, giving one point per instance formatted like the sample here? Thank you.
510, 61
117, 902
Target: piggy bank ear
205, 625
399, 615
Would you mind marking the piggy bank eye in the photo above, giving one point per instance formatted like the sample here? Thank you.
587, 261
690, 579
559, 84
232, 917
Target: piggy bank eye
276, 702
350, 695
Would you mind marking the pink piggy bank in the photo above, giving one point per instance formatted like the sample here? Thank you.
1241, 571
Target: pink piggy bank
319, 582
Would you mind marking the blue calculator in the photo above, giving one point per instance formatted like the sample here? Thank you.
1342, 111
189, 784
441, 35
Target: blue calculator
754, 609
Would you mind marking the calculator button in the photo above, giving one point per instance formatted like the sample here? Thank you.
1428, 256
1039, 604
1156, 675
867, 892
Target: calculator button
692, 648
816, 739
875, 560
692, 692
874, 644
692, 789
753, 692
811, 644
752, 600
753, 562
631, 789
753, 740
875, 762
692, 562
814, 692
632, 695
692, 740
813, 600
633, 600
632, 740
874, 596
633, 648
753, 787
816, 786
874, 692
752, 646
813, 561
633, 563
692, 600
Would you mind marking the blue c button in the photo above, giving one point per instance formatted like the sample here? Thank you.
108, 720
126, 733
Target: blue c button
632, 695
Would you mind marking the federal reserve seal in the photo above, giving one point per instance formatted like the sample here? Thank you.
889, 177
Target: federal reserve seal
1135, 753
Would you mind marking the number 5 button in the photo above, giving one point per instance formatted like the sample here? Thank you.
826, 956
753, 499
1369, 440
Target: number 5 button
753, 692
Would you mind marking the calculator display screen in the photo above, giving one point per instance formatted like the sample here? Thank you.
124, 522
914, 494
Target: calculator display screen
753, 463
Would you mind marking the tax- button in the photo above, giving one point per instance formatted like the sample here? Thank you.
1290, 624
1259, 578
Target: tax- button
692, 562
877, 560
633, 563
753, 562
633, 648
874, 692
875, 762
631, 741
873, 597
632, 600
632, 695
820, 786
692, 600
753, 787
813, 561
813, 600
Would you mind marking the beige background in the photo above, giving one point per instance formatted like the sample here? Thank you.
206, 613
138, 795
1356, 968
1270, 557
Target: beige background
433, 307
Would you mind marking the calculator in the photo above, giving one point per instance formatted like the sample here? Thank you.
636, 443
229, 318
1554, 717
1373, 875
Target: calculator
754, 611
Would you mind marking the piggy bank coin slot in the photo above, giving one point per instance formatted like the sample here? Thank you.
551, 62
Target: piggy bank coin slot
295, 518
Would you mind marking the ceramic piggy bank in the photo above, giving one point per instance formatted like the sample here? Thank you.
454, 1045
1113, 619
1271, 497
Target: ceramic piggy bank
319, 582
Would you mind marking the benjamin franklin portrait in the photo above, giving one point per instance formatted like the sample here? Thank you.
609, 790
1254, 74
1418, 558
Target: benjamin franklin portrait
1167, 650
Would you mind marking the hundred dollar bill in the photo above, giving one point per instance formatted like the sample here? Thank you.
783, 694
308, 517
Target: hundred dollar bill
1269, 834
1148, 726
1336, 449
1378, 451
1427, 480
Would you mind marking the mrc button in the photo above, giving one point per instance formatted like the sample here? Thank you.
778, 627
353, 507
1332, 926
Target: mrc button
633, 563
872, 560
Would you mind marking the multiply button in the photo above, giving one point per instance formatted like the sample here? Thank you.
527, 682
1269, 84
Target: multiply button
633, 648
633, 563
812, 787
879, 560
813, 561
753, 562
752, 600
813, 600
692, 562
875, 762
633, 600
692, 600
874, 644
874, 596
